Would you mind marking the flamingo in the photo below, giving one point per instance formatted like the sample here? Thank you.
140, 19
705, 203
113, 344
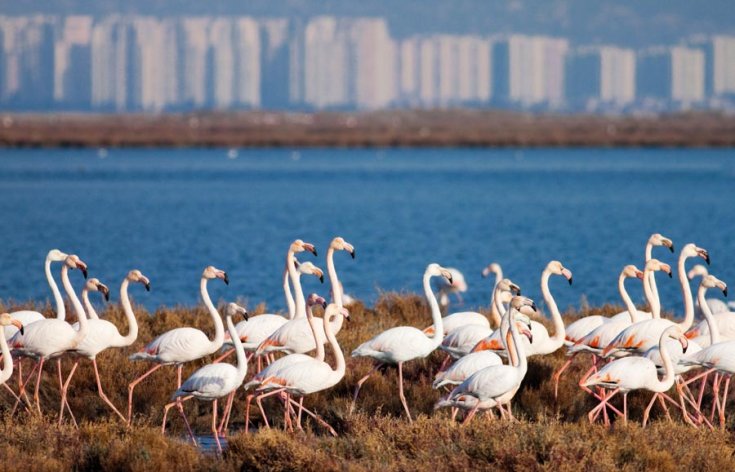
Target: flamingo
721, 314
295, 336
496, 385
457, 287
102, 334
6, 319
311, 376
181, 345
290, 359
641, 336
463, 318
543, 343
256, 329
49, 338
404, 343
638, 373
213, 381
580, 328
599, 337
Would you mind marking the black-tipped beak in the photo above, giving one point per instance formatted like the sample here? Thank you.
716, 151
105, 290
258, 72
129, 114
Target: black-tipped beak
107, 295
671, 275
246, 315
324, 304
724, 291
671, 248
533, 305
84, 272
22, 330
570, 280
451, 281
147, 286
706, 259
226, 279
352, 254
684, 349
321, 278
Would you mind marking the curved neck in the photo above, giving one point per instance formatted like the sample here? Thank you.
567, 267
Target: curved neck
319, 355
91, 312
686, 292
516, 345
219, 329
300, 310
559, 332
654, 301
128, 309
7, 370
632, 310
714, 331
287, 293
668, 379
333, 280
494, 311
510, 349
655, 309
435, 313
78, 309
242, 361
58, 299
338, 355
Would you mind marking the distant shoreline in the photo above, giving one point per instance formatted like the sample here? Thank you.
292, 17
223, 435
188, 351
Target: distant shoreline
392, 128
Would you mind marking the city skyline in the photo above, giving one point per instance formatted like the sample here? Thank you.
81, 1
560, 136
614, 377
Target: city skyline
144, 63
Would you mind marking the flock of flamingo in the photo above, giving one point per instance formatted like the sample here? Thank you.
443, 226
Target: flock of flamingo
486, 359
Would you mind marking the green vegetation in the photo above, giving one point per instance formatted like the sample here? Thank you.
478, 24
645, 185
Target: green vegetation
550, 435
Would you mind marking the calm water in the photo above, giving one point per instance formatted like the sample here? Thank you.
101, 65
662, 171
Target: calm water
172, 212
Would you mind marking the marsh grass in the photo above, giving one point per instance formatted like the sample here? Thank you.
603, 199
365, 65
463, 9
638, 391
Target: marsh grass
550, 435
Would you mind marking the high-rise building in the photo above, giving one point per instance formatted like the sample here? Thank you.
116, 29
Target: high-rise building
600, 77
723, 65
111, 64
373, 63
73, 63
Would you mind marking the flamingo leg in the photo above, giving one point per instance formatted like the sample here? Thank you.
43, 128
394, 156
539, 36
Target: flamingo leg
558, 373
359, 385
723, 402
715, 395
317, 418
166, 408
471, 414
226, 414
259, 401
214, 426
179, 403
133, 384
101, 392
447, 360
36, 397
223, 356
592, 415
248, 401
455, 410
400, 391
22, 383
64, 390
625, 408
301, 407
17, 398
647, 411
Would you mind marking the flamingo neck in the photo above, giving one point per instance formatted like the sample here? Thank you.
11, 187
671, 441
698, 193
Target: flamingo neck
668, 379
300, 310
333, 280
654, 301
242, 361
517, 346
132, 335
435, 313
7, 370
686, 292
632, 310
319, 355
287, 293
509, 348
78, 308
557, 340
494, 312
655, 309
339, 369
219, 329
58, 299
714, 331
91, 312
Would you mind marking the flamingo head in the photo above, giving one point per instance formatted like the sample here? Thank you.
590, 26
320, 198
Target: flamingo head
507, 285
301, 246
54, 255
333, 310
233, 309
556, 267
710, 281
137, 276
523, 305
632, 272
73, 262
94, 285
7, 320
692, 250
696, 271
655, 265
315, 299
657, 239
435, 270
310, 269
492, 268
339, 244
212, 272
675, 332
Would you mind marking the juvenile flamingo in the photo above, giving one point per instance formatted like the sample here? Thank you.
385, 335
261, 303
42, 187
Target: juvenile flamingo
181, 345
405, 343
213, 381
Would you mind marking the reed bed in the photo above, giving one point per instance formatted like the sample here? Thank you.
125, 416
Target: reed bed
550, 434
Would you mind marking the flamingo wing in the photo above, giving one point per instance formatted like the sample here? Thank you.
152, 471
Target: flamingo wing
210, 382
463, 368
395, 345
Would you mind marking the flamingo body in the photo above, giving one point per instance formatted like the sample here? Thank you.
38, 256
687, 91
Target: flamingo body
399, 344
254, 331
26, 317
176, 346
211, 382
464, 367
45, 338
460, 341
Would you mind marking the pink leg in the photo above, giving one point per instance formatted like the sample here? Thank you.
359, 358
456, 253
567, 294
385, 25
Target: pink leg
223, 356
471, 414
101, 392
248, 401
166, 409
36, 397
64, 390
259, 400
214, 426
715, 395
400, 391
596, 410
558, 373
359, 385
318, 418
647, 411
723, 402
132, 386
226, 414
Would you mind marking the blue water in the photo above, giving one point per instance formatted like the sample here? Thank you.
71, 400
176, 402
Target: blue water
170, 213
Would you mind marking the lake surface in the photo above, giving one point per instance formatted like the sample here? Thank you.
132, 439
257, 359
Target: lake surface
170, 213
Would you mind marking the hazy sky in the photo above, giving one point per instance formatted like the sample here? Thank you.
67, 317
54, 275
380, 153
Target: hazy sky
625, 22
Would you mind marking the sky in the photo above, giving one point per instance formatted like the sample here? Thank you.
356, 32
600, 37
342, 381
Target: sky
634, 23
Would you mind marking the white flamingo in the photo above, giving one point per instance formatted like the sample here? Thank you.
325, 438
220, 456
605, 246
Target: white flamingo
405, 343
102, 334
7, 371
50, 338
181, 345
445, 289
721, 314
638, 373
295, 336
213, 381
496, 386
311, 376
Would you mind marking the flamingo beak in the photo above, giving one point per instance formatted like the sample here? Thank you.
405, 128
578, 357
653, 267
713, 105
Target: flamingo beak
105, 291
684, 343
527, 333
351, 250
568, 274
146, 284
310, 247
18, 325
83, 267
515, 289
639, 274
244, 313
724, 291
